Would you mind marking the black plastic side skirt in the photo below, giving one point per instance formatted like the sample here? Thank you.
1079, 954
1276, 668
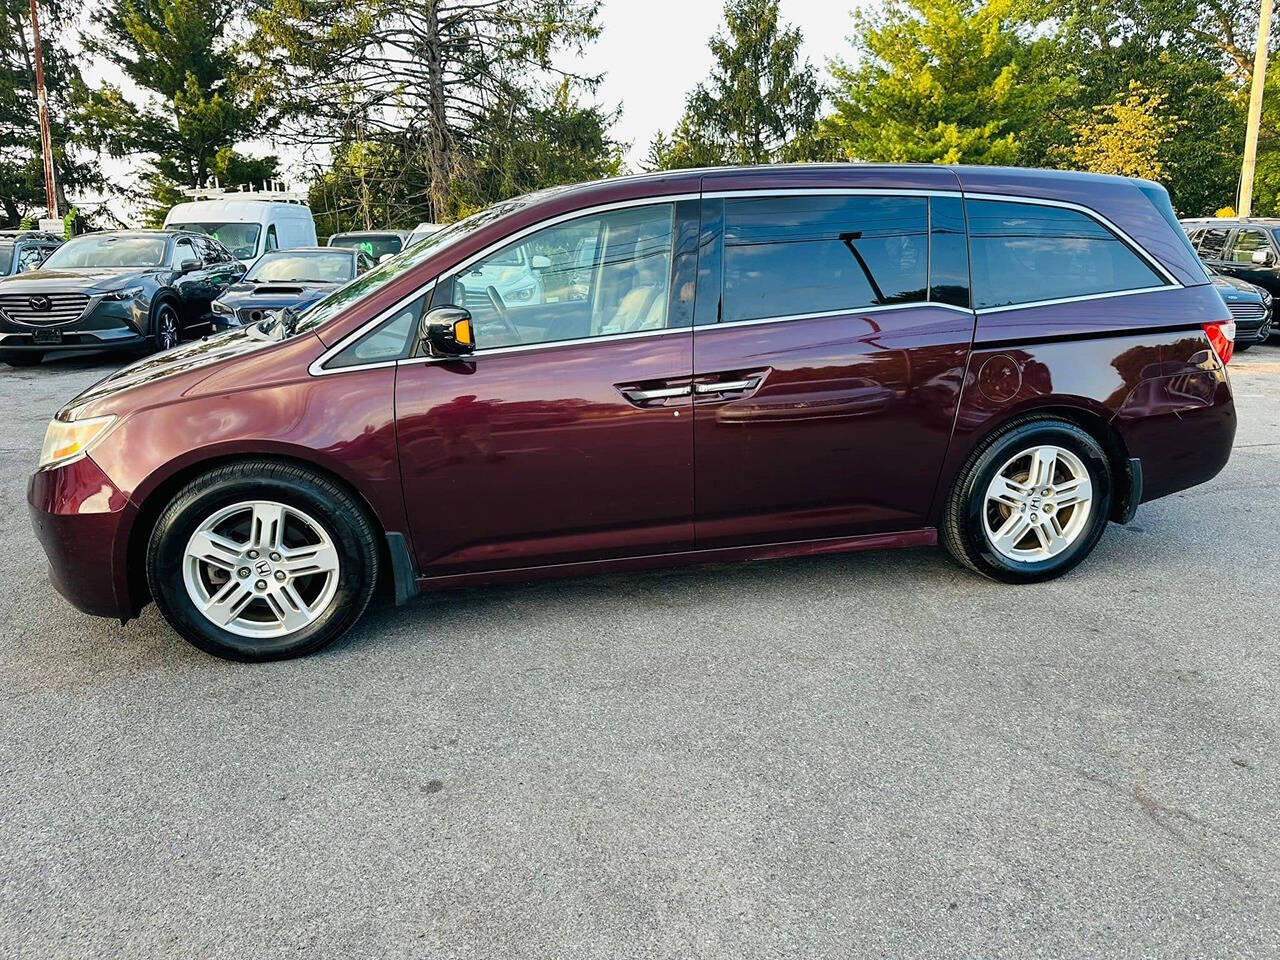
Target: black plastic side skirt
402, 575
1135, 491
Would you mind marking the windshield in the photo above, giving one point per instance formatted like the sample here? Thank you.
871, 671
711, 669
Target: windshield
240, 238
370, 283
375, 245
303, 268
108, 250
6, 259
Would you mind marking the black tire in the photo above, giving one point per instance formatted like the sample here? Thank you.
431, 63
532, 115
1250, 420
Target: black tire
166, 326
25, 358
963, 531
1242, 347
346, 522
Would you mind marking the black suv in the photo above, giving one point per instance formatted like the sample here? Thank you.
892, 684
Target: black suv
1248, 250
23, 250
135, 288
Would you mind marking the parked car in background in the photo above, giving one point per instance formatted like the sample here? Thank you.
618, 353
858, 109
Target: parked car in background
287, 278
248, 224
378, 244
123, 289
421, 232
1251, 306
763, 362
1248, 249
25, 250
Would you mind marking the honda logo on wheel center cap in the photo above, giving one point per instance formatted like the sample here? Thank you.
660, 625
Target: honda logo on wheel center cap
262, 567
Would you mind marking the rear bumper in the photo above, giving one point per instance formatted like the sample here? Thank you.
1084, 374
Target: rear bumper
1181, 427
82, 522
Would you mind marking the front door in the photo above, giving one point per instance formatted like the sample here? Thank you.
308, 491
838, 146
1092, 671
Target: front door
1246, 244
568, 436
828, 363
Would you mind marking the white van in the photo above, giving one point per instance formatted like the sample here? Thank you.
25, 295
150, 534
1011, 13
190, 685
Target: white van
248, 224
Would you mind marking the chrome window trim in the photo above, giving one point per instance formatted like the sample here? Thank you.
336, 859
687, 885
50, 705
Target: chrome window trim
1080, 299
834, 192
1133, 244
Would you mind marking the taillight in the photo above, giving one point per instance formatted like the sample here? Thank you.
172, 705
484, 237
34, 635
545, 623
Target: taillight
1223, 338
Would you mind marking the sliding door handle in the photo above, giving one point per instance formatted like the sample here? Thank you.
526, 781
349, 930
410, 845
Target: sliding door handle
658, 393
726, 386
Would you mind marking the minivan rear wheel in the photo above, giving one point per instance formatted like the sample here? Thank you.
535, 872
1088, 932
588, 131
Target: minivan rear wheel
261, 560
1031, 502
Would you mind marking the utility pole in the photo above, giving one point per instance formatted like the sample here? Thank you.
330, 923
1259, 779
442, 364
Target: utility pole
46, 138
1255, 111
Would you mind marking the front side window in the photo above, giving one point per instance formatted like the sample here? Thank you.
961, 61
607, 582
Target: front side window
795, 256
240, 238
1246, 244
108, 250
183, 251
28, 257
272, 242
593, 276
1028, 252
1212, 243
6, 258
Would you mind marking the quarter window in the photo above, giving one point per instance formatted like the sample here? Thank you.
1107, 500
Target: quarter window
390, 340
593, 276
1246, 244
1026, 252
797, 256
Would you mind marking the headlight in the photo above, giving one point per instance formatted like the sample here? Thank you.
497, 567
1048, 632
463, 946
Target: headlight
67, 440
222, 308
128, 293
521, 294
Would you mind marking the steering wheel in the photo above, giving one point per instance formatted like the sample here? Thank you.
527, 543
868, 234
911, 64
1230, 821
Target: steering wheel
500, 308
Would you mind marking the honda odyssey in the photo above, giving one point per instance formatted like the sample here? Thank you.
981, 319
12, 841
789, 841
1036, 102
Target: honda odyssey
711, 364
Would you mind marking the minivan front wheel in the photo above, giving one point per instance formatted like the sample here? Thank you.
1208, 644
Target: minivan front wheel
262, 561
1031, 503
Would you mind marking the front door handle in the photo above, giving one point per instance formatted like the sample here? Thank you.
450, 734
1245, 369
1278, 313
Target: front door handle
658, 393
726, 386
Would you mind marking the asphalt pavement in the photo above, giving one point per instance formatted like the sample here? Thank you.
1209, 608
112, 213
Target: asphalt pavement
874, 755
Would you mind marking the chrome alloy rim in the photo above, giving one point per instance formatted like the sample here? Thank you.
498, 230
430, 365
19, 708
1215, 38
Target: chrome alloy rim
260, 569
1037, 504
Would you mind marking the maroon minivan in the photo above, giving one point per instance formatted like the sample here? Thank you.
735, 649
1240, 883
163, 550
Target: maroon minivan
688, 366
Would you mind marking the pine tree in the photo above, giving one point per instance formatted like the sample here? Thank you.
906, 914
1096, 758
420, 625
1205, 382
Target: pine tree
760, 104
194, 112
946, 81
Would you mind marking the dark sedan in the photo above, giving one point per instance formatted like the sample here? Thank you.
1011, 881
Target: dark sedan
127, 289
294, 278
1249, 304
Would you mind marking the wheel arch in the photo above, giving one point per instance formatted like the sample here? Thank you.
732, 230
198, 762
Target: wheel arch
159, 495
1090, 416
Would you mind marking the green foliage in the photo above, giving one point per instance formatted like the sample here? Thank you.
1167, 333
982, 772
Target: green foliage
194, 112
944, 81
430, 108
760, 104
21, 167
1129, 137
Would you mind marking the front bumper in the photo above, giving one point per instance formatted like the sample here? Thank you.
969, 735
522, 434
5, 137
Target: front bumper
105, 324
82, 522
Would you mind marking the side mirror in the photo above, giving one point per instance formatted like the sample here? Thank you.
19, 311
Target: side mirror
189, 266
540, 262
447, 332
1264, 257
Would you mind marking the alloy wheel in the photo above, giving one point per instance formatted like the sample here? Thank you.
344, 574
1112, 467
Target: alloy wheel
260, 569
166, 328
1038, 504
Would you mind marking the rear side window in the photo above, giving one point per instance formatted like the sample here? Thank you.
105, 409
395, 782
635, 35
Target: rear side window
1027, 253
1212, 243
796, 256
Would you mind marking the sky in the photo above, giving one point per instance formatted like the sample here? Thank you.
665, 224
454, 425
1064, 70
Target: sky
651, 53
